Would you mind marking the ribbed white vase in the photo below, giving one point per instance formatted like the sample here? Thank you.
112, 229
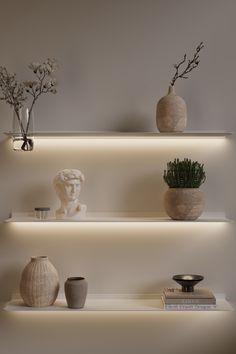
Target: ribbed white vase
39, 283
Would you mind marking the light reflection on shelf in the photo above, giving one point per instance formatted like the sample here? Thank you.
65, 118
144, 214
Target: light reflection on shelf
124, 142
135, 229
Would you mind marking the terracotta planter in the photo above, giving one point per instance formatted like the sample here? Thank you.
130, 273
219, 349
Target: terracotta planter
39, 283
184, 203
76, 289
171, 114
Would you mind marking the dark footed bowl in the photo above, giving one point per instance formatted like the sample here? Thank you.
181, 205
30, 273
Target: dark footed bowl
188, 281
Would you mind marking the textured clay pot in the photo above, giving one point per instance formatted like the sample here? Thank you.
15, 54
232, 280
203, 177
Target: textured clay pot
171, 113
184, 203
76, 289
39, 283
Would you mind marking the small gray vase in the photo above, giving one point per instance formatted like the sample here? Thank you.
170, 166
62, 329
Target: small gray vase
76, 289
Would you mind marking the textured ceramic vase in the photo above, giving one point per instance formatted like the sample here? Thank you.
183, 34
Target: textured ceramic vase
171, 113
184, 203
76, 289
39, 283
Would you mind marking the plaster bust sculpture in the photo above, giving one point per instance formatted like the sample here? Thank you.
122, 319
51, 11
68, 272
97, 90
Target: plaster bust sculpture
67, 184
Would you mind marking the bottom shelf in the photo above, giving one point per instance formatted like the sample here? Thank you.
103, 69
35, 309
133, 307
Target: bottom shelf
113, 304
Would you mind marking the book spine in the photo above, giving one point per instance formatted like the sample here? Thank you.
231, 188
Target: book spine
190, 307
190, 301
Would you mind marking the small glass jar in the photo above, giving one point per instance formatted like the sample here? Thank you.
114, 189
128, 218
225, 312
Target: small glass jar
41, 212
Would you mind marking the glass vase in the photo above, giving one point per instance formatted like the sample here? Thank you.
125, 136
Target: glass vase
23, 130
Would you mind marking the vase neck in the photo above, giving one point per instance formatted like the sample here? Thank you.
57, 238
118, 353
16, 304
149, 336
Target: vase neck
39, 258
171, 90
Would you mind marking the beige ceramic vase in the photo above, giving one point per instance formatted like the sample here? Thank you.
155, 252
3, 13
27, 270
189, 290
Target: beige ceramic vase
184, 203
39, 283
171, 113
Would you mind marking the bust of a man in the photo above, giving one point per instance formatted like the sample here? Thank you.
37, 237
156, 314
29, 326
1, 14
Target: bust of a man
67, 184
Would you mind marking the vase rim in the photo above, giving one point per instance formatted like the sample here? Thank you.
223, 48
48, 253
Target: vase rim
184, 188
39, 258
75, 278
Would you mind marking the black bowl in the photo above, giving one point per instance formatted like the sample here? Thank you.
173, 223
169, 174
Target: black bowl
187, 281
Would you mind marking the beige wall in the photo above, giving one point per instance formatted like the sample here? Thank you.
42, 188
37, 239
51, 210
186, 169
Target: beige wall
116, 61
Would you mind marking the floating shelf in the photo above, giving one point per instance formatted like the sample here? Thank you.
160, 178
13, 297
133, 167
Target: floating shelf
112, 304
112, 134
123, 218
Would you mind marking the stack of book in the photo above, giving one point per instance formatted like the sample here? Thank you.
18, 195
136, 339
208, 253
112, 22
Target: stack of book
199, 299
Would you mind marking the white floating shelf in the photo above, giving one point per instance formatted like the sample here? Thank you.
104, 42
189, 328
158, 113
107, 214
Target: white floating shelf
133, 218
112, 134
112, 304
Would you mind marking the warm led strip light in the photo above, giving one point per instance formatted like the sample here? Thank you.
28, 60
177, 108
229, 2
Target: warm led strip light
124, 141
124, 144
120, 229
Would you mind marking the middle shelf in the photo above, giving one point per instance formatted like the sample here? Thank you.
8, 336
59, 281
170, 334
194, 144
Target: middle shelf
123, 218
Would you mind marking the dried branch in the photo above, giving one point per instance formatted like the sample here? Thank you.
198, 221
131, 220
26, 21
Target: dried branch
45, 82
12, 93
190, 65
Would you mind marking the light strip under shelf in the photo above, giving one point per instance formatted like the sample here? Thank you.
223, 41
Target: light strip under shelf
123, 142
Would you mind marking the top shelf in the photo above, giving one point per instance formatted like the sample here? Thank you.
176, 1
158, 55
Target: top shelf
113, 134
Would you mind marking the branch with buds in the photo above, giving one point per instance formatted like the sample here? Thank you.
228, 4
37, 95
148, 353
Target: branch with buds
16, 93
190, 65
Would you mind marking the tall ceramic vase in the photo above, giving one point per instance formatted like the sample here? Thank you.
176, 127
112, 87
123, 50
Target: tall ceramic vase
171, 114
39, 283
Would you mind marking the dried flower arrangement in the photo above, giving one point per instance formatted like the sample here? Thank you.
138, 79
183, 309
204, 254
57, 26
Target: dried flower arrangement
190, 65
16, 93
171, 112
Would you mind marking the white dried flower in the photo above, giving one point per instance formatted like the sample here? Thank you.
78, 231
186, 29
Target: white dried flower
30, 84
34, 66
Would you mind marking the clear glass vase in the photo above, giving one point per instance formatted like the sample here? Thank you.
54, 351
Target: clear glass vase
23, 130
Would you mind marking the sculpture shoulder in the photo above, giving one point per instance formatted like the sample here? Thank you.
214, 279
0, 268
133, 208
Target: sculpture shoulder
74, 213
83, 208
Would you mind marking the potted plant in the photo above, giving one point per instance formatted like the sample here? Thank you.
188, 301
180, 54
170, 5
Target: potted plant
171, 113
184, 200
